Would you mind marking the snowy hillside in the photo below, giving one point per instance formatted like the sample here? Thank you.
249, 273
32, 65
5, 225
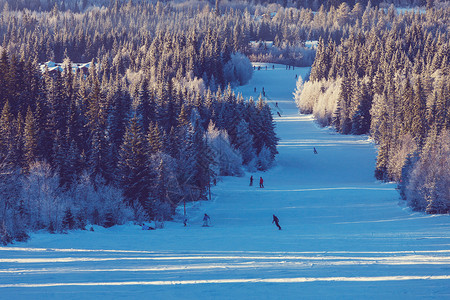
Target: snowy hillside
344, 235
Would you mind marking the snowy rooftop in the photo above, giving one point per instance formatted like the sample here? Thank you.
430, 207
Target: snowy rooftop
53, 66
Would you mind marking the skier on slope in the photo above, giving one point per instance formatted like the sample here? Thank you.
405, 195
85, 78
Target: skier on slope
261, 182
251, 180
315, 151
206, 219
276, 220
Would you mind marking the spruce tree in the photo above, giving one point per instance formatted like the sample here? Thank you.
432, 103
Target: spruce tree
7, 133
4, 77
244, 142
30, 139
361, 119
202, 160
133, 171
68, 221
268, 135
97, 125
154, 139
418, 110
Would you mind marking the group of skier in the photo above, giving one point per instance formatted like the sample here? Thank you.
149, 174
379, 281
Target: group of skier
261, 181
207, 219
276, 103
259, 67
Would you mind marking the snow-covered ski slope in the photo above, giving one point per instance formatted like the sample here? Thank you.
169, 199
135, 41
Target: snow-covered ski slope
344, 236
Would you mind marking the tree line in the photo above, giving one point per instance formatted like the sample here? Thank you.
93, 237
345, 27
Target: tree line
122, 32
390, 78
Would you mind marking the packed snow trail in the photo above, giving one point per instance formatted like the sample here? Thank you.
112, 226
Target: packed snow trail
345, 235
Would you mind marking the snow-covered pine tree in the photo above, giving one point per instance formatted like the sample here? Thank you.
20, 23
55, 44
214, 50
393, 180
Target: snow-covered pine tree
345, 99
133, 171
418, 122
244, 142
4, 82
268, 135
202, 160
361, 118
7, 134
154, 139
97, 124
68, 221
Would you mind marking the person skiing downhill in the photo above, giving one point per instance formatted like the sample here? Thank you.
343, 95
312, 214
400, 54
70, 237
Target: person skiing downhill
276, 220
261, 182
206, 219
251, 180
315, 151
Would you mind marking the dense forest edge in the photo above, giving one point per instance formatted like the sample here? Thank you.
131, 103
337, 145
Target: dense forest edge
137, 118
138, 114
390, 79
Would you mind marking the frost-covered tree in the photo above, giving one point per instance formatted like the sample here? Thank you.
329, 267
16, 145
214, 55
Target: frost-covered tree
238, 69
428, 181
228, 160
43, 197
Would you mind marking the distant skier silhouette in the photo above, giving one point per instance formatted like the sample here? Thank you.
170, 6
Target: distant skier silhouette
261, 182
279, 114
146, 227
251, 180
315, 151
276, 221
206, 220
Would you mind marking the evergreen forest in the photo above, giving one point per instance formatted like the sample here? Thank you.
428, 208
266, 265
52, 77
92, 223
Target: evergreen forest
151, 120
390, 79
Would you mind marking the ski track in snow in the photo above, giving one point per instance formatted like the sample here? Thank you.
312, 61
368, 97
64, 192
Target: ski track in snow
345, 235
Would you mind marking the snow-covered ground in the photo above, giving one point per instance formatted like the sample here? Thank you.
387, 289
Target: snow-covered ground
344, 236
